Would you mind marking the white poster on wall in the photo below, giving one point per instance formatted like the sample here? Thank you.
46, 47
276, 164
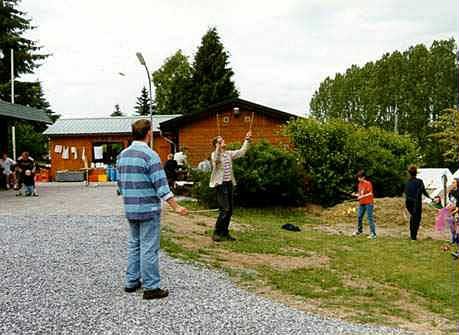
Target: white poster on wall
65, 152
98, 153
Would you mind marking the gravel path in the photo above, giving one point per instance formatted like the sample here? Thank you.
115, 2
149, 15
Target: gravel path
62, 273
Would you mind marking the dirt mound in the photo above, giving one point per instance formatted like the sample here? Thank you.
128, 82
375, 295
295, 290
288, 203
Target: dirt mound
388, 212
391, 217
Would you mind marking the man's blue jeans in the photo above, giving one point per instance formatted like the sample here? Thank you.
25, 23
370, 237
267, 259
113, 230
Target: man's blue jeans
143, 253
369, 210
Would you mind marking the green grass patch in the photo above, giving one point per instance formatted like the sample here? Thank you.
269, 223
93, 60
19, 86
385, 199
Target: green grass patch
372, 278
176, 250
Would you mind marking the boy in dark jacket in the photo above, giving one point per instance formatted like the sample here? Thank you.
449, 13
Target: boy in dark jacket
414, 189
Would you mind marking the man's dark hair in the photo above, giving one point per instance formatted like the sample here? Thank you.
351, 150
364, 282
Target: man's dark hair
140, 129
413, 171
215, 141
360, 174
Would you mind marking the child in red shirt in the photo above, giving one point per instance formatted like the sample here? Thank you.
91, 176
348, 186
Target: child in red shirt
365, 197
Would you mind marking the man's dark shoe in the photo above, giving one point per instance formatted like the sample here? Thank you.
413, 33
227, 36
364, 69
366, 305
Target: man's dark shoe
230, 238
157, 293
133, 289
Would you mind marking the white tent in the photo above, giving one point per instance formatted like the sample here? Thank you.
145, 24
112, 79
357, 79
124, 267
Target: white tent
433, 180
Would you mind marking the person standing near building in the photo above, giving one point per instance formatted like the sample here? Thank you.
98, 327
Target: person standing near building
414, 189
170, 167
223, 180
7, 165
181, 158
26, 170
365, 197
143, 185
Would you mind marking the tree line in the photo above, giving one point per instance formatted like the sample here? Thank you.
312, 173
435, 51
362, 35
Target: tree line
407, 92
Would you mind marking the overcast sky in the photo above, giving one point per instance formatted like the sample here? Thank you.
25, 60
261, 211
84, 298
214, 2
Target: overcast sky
280, 50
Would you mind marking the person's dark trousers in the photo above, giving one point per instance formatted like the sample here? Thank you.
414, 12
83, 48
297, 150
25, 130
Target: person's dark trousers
415, 210
225, 204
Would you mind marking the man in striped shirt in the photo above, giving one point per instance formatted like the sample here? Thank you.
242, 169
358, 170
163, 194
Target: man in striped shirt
222, 179
143, 185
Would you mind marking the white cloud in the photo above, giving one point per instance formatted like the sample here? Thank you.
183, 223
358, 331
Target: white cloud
280, 51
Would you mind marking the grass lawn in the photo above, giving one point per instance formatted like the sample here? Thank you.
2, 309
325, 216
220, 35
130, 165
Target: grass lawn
389, 281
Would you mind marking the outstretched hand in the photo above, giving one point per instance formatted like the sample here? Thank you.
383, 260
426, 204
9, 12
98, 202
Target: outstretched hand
248, 136
181, 210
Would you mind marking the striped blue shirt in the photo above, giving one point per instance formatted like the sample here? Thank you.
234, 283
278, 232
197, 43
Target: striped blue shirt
142, 181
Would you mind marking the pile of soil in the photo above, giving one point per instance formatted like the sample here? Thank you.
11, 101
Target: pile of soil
388, 212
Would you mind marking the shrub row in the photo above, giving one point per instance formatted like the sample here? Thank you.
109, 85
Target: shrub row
320, 168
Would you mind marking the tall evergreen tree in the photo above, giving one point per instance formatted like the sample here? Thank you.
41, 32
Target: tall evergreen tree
117, 111
27, 58
14, 24
142, 106
212, 77
173, 90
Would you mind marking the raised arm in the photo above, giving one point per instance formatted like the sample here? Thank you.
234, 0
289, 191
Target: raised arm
235, 154
216, 156
423, 190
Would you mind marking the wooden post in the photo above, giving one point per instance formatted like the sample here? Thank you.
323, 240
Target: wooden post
251, 121
218, 125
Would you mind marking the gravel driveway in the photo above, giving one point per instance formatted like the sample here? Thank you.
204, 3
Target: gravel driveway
62, 261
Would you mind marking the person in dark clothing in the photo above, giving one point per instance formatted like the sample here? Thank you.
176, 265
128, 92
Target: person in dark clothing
453, 197
170, 168
29, 184
453, 192
26, 169
414, 189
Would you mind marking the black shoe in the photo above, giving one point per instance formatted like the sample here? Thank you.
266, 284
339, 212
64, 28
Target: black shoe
133, 289
230, 238
157, 293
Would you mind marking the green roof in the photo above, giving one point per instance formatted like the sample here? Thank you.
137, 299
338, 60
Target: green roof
21, 112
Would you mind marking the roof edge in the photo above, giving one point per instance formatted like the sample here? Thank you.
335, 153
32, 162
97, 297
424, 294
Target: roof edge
214, 108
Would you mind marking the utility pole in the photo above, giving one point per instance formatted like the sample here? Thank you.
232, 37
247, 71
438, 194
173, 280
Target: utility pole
13, 128
150, 105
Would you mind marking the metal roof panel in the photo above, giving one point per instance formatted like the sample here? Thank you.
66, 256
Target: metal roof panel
104, 125
21, 112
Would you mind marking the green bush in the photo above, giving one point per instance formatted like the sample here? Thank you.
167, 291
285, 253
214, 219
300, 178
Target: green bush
201, 189
332, 152
266, 175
